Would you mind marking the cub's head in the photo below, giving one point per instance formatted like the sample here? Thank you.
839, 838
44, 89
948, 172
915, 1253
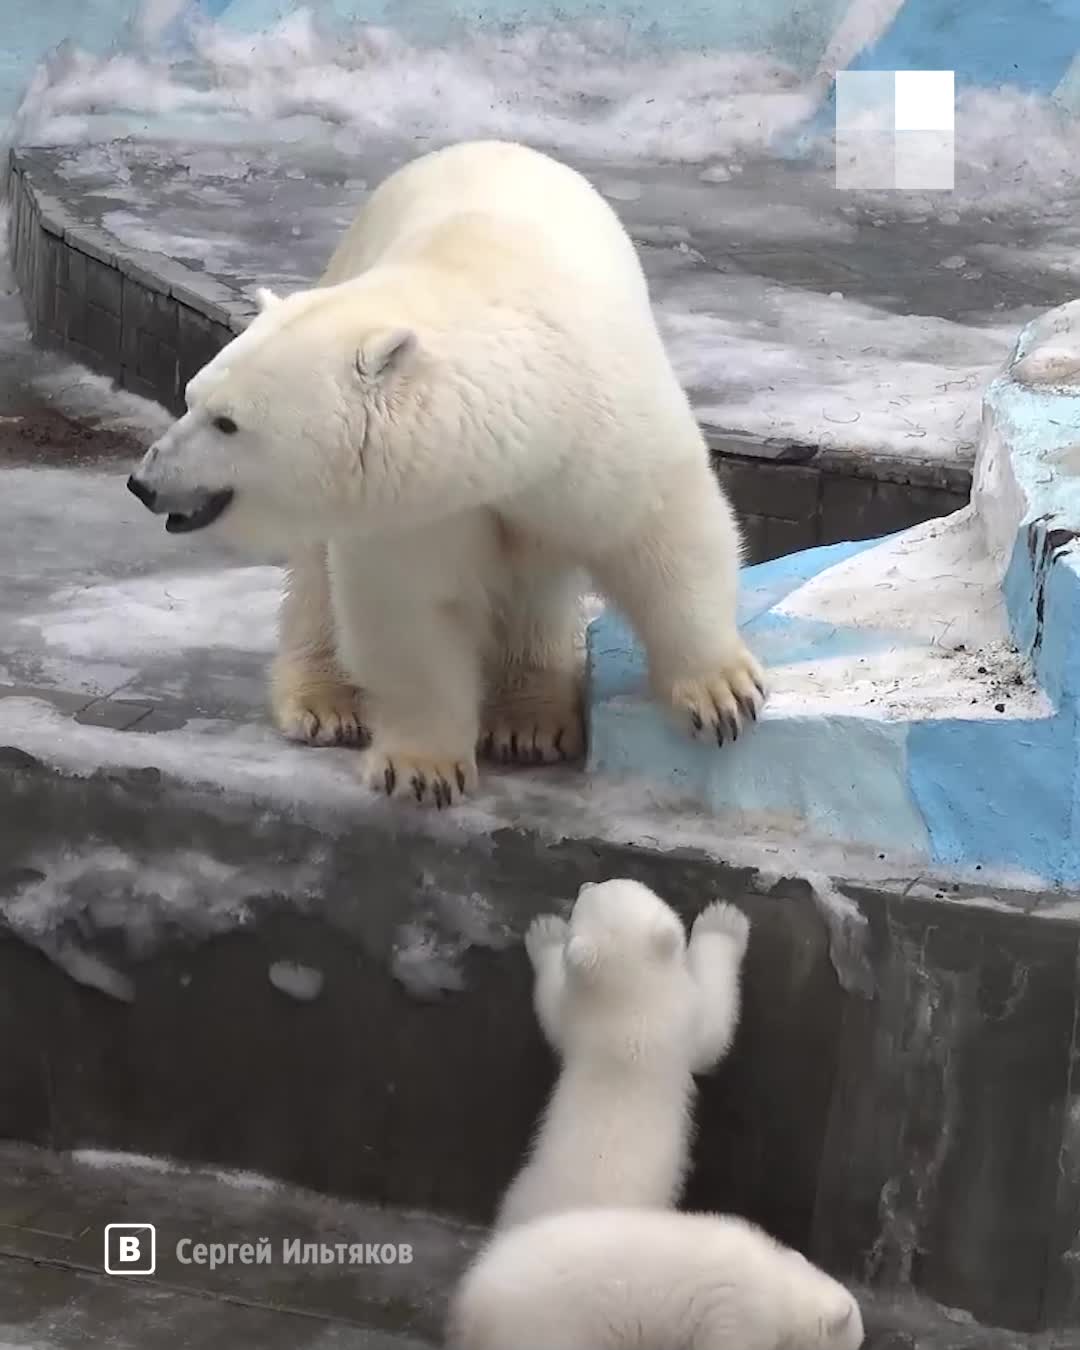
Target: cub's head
824, 1314
282, 427
620, 935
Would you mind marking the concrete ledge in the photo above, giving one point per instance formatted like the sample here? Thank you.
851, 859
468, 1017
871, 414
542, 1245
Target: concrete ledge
926, 684
150, 323
198, 937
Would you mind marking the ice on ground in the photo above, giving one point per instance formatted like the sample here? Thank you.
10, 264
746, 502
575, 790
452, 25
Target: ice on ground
303, 983
227, 609
777, 361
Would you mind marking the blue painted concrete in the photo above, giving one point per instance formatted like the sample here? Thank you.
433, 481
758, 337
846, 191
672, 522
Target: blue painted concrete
998, 791
995, 42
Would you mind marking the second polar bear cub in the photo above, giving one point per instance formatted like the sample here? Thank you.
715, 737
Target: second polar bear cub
617, 1279
469, 415
634, 1011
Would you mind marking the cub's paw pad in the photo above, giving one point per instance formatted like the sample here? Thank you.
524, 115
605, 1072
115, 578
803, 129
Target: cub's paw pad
723, 920
322, 717
438, 781
545, 931
719, 705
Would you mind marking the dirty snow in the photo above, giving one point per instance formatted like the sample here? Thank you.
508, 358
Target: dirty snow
299, 982
227, 609
590, 89
931, 594
788, 363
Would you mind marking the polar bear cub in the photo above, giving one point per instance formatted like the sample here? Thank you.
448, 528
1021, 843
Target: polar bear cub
619, 1279
469, 419
634, 1012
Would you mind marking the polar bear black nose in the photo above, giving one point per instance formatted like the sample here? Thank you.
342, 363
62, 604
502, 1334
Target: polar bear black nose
146, 495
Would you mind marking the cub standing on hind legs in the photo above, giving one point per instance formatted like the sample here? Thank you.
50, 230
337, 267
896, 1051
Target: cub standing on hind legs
634, 1012
472, 412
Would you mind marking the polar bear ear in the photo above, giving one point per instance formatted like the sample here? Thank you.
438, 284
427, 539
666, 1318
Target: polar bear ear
581, 955
266, 299
384, 352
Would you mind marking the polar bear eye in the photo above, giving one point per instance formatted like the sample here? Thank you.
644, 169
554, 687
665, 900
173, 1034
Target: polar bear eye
225, 425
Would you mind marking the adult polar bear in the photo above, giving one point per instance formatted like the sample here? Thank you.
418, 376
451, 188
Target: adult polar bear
471, 412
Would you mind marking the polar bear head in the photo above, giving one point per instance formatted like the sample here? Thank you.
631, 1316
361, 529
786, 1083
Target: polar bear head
622, 935
287, 430
822, 1313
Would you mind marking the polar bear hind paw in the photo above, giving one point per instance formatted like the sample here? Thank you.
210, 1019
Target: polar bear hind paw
327, 715
720, 704
429, 780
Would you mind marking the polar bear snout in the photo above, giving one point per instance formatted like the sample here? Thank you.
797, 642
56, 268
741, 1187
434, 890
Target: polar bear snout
185, 509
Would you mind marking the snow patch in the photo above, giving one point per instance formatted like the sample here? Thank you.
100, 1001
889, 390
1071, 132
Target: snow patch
303, 983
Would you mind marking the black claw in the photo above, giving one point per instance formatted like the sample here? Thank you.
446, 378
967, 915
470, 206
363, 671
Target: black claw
719, 732
459, 774
513, 745
557, 743
733, 724
442, 793
760, 688
313, 734
390, 779
695, 719
419, 786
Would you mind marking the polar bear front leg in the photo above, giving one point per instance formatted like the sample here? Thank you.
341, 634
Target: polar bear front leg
676, 579
714, 955
419, 655
545, 943
310, 698
534, 712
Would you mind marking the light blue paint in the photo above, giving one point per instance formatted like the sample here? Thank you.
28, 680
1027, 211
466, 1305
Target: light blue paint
844, 777
1029, 45
998, 793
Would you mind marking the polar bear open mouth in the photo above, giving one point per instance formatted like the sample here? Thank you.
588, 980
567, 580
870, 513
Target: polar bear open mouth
208, 510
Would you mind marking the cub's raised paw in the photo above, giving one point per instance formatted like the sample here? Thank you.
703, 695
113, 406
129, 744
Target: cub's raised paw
428, 780
545, 931
725, 921
720, 704
326, 715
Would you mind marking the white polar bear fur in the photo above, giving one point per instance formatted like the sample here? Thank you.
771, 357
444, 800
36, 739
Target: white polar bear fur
620, 1279
634, 1012
470, 413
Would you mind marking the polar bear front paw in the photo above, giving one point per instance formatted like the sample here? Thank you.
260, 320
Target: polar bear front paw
719, 704
545, 932
430, 780
723, 920
323, 715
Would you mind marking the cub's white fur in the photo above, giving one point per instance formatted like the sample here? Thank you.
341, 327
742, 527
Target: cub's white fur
626, 1279
472, 412
634, 1012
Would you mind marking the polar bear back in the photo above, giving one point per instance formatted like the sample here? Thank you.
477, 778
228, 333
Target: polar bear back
533, 202
611, 1279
